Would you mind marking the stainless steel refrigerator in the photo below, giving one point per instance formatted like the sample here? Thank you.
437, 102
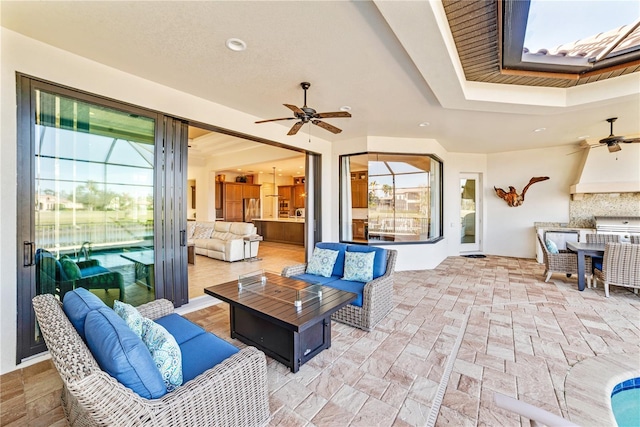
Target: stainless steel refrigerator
250, 209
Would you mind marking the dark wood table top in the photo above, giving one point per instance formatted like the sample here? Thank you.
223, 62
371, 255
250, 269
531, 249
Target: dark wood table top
586, 247
284, 313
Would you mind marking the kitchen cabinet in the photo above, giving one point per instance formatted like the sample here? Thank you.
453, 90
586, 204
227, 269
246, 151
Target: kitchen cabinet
281, 231
218, 195
232, 195
299, 196
358, 227
359, 190
284, 192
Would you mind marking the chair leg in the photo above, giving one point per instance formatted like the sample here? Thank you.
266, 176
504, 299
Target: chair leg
548, 277
606, 289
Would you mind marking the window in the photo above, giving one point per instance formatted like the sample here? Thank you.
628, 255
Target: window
390, 198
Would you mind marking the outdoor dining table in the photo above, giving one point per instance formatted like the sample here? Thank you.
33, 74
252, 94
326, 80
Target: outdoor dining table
585, 249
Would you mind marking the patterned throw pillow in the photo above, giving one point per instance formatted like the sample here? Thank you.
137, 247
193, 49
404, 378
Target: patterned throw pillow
552, 247
130, 315
322, 261
191, 228
358, 266
165, 352
202, 232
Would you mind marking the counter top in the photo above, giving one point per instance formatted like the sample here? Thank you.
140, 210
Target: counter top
559, 226
300, 220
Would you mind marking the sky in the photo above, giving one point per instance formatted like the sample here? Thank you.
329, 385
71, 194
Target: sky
555, 22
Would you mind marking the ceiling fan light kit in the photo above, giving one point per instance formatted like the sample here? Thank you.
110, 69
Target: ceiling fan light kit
308, 115
612, 141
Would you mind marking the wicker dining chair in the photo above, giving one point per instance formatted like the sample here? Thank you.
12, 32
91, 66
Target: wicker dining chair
620, 266
564, 262
635, 239
600, 238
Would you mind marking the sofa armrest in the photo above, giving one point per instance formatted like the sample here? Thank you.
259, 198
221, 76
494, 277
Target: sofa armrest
156, 309
232, 393
293, 270
88, 263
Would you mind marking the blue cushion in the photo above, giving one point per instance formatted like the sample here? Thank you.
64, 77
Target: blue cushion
92, 271
338, 267
203, 352
350, 286
165, 353
182, 329
77, 304
70, 269
59, 273
123, 355
379, 261
312, 278
597, 262
358, 266
322, 262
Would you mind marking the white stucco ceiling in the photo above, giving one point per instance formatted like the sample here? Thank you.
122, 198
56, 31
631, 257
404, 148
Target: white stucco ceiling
394, 63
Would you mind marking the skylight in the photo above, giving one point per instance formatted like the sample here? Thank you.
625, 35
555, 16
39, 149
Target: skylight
554, 23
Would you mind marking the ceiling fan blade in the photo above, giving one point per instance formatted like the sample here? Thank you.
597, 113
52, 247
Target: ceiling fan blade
294, 108
630, 140
295, 128
333, 114
273, 120
326, 126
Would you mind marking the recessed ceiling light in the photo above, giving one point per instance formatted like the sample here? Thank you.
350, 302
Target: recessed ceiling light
424, 124
583, 137
300, 167
540, 130
239, 169
236, 45
345, 108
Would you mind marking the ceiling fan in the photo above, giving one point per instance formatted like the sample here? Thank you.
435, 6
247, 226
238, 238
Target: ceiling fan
612, 141
307, 114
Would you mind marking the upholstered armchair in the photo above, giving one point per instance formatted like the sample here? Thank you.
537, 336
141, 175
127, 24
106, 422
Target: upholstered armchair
565, 262
58, 277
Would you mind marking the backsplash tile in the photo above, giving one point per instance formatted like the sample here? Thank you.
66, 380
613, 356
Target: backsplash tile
582, 212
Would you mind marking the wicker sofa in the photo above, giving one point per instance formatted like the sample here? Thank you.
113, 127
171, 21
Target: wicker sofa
375, 298
231, 393
222, 240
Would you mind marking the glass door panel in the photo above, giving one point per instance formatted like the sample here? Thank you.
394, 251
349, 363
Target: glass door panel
94, 200
469, 230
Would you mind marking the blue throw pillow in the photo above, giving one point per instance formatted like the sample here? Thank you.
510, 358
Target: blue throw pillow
130, 315
338, 267
358, 266
552, 247
70, 268
165, 353
322, 262
379, 261
77, 304
121, 354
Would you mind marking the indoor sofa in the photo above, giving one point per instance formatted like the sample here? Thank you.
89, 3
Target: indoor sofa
110, 378
223, 240
374, 297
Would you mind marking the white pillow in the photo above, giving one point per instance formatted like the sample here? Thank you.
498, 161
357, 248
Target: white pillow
202, 232
130, 315
321, 262
358, 266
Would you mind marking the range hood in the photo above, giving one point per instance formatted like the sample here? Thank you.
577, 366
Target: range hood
603, 172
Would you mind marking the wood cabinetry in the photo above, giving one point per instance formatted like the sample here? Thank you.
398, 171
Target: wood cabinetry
284, 192
359, 190
299, 196
281, 231
218, 195
358, 229
232, 195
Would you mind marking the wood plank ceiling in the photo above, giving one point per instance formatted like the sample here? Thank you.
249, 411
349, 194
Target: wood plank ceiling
474, 26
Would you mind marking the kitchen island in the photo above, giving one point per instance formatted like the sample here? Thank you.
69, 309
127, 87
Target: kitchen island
281, 230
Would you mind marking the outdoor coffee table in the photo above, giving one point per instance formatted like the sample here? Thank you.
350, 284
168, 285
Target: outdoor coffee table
288, 319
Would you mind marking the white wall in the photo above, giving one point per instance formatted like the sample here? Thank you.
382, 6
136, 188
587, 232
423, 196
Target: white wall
509, 230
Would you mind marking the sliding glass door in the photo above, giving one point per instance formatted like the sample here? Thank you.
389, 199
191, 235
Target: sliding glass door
99, 202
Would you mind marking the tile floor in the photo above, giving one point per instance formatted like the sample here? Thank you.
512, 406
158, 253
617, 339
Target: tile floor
458, 333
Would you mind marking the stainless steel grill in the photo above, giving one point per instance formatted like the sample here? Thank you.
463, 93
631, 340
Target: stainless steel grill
624, 226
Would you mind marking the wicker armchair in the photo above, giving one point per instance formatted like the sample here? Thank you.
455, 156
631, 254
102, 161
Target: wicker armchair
232, 393
377, 298
620, 266
635, 239
565, 262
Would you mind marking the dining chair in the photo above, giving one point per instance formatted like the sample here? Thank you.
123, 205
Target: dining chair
634, 239
563, 261
620, 267
596, 262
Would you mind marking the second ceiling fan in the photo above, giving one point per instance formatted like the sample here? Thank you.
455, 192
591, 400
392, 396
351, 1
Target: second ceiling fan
307, 114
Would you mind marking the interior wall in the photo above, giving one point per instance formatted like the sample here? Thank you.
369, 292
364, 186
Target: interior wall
509, 230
